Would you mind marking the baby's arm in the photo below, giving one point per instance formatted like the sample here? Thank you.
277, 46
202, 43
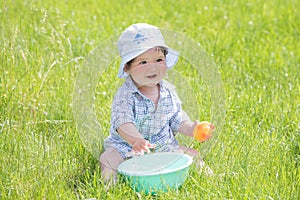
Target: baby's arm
130, 133
187, 127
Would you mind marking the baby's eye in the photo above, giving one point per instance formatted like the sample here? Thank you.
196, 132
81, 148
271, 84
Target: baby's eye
160, 60
143, 62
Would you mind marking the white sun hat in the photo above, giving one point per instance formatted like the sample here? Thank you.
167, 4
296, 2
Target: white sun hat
137, 39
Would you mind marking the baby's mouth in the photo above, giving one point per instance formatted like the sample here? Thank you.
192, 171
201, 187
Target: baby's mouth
152, 76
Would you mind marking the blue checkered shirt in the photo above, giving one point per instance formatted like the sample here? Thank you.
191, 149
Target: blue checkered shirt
158, 124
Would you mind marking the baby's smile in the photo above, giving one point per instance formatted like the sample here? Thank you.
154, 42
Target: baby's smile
151, 76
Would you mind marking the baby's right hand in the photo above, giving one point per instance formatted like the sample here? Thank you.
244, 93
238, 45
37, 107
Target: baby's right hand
140, 146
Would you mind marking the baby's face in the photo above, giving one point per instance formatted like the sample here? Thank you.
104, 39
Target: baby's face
149, 68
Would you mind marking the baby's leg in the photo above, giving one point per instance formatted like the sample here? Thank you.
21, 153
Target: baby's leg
190, 151
110, 159
197, 159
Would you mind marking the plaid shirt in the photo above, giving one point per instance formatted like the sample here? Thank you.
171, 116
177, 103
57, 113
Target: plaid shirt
157, 124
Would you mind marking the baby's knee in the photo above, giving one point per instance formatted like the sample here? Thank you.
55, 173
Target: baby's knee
110, 158
103, 157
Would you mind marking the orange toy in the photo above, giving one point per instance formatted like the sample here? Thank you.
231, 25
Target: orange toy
203, 131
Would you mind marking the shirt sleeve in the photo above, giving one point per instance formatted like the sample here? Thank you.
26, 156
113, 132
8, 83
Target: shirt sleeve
122, 109
185, 116
176, 120
178, 116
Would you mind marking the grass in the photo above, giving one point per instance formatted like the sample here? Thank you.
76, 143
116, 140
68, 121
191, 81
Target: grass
254, 43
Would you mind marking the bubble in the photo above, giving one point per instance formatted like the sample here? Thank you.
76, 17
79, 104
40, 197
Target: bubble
195, 76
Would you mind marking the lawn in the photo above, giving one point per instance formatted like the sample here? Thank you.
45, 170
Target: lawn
254, 45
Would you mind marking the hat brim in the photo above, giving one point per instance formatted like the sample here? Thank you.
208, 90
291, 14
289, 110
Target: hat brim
171, 59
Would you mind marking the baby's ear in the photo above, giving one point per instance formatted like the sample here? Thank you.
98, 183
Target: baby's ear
126, 67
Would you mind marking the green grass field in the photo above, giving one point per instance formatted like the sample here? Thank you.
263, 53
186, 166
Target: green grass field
254, 43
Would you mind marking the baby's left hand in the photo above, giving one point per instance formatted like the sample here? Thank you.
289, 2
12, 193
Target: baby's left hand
202, 131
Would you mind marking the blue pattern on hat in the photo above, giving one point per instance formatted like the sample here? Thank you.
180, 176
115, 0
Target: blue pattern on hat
139, 38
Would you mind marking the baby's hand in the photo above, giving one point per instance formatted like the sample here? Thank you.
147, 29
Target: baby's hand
140, 146
203, 130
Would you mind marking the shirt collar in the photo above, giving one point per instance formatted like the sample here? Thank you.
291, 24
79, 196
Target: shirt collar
131, 87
